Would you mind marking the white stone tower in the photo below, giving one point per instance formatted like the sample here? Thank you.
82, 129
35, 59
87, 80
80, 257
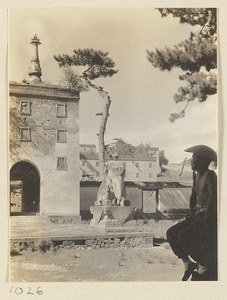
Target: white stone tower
35, 70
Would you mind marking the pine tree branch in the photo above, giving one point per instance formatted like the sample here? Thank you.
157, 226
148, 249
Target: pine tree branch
191, 55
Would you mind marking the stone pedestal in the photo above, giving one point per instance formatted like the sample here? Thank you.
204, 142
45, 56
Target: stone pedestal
111, 216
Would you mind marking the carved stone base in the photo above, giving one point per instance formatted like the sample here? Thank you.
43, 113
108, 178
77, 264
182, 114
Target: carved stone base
65, 219
111, 216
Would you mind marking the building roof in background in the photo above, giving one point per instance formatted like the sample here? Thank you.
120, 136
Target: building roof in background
95, 156
174, 198
160, 185
88, 145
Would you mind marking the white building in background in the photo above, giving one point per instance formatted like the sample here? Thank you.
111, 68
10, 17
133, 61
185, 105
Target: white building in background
137, 168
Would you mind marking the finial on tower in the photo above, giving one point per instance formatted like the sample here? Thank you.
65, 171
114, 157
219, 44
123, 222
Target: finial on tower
35, 70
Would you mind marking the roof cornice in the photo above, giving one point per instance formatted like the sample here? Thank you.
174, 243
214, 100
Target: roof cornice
45, 91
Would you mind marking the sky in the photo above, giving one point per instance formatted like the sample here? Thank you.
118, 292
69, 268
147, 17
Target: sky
142, 96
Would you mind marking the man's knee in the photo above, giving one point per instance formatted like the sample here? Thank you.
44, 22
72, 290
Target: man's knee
173, 234
170, 233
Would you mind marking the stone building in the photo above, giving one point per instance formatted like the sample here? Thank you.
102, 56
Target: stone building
138, 168
44, 146
88, 148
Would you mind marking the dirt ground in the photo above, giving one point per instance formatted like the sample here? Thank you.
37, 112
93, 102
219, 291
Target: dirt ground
143, 263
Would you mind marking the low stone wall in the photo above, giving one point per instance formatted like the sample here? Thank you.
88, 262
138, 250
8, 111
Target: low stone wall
117, 242
17, 248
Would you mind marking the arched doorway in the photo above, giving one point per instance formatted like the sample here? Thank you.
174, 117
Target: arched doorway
24, 189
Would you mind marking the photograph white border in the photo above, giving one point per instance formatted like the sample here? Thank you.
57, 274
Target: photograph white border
116, 290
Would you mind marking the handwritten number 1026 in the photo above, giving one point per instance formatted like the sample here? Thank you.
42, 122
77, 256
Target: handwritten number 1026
28, 291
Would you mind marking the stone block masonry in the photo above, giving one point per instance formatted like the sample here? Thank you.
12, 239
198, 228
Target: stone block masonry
44, 132
86, 243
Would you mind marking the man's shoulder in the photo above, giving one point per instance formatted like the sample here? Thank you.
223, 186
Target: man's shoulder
211, 175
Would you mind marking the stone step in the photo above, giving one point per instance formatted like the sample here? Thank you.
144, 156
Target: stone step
22, 221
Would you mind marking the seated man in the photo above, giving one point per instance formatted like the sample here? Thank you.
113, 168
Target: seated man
196, 236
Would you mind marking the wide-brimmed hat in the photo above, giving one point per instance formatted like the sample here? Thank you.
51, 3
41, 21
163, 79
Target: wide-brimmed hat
204, 152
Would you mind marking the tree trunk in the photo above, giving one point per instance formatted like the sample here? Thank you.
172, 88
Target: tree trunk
103, 122
101, 134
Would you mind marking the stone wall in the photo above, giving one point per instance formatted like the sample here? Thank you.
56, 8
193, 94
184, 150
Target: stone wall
41, 134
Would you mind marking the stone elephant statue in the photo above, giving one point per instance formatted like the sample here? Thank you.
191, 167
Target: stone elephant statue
111, 190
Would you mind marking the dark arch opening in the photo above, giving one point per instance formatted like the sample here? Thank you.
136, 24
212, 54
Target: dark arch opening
24, 189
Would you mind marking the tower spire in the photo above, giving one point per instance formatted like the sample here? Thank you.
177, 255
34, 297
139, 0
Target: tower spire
35, 70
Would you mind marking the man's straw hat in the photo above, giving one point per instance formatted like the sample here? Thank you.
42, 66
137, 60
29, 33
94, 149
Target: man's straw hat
204, 152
